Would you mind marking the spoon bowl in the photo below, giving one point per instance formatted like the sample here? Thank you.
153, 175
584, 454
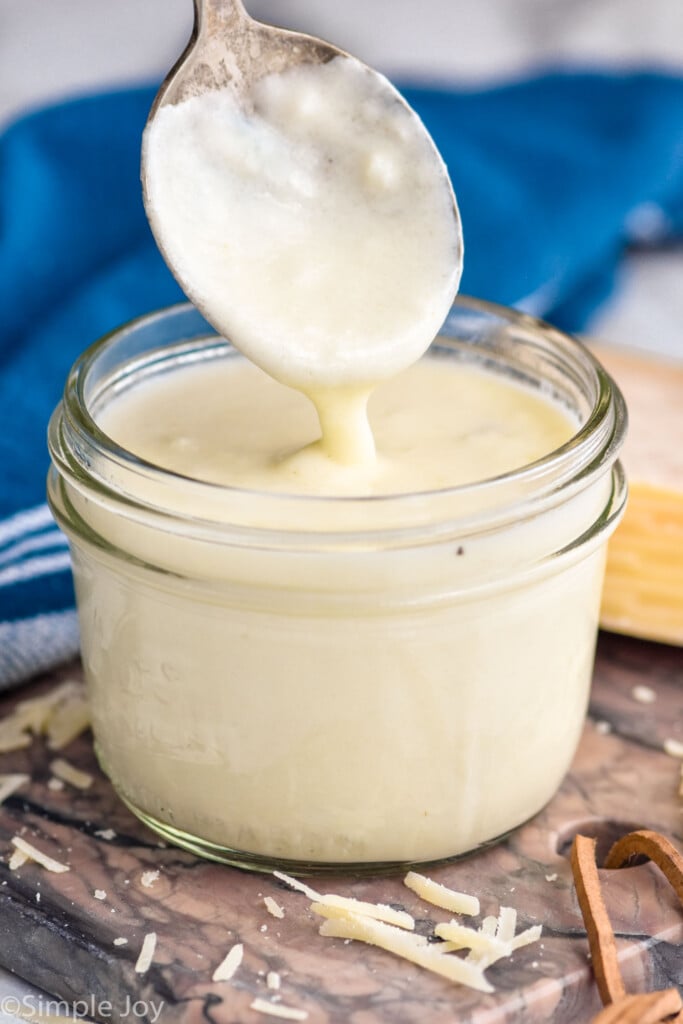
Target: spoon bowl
299, 230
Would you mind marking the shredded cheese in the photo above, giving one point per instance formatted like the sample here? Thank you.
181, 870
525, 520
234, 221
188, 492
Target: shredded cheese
227, 968
406, 945
12, 737
294, 883
121, 941
9, 784
459, 936
106, 833
278, 1010
148, 878
17, 860
273, 980
38, 856
507, 922
100, 894
440, 896
525, 938
149, 945
68, 720
348, 905
342, 906
61, 714
273, 907
68, 772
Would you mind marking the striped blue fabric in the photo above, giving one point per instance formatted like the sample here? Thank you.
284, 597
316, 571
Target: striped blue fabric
553, 177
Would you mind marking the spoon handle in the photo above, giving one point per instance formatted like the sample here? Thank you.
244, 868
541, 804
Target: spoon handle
211, 13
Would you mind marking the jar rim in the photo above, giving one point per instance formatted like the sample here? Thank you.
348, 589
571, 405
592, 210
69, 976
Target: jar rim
77, 442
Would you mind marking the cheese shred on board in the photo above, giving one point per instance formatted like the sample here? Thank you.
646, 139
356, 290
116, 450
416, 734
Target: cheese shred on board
60, 715
227, 968
294, 883
342, 906
393, 930
273, 907
407, 945
9, 784
347, 904
278, 1010
68, 772
38, 856
459, 936
17, 860
440, 896
149, 945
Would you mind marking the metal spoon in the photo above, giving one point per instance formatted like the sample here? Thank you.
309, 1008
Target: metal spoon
228, 47
230, 50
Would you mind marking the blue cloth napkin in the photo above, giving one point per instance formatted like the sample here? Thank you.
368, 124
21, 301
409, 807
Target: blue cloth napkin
548, 173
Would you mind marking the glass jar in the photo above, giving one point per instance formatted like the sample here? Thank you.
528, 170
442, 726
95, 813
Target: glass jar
402, 684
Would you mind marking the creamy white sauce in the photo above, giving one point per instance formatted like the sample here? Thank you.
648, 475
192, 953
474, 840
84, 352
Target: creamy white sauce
440, 423
315, 226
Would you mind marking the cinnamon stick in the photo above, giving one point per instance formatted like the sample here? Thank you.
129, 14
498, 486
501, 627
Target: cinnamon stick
601, 940
645, 1008
656, 848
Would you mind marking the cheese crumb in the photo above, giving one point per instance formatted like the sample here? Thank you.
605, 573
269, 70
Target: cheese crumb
106, 833
121, 941
100, 894
278, 1010
9, 784
69, 773
273, 980
603, 728
148, 878
674, 748
644, 694
440, 896
56, 785
551, 878
149, 945
227, 968
273, 907
36, 855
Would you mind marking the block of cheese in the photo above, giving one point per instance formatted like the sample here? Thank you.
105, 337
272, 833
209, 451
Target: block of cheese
643, 593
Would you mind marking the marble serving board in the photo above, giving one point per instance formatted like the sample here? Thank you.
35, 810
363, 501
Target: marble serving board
56, 934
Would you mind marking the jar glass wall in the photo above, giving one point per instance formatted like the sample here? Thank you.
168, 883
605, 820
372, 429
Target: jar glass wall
338, 682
